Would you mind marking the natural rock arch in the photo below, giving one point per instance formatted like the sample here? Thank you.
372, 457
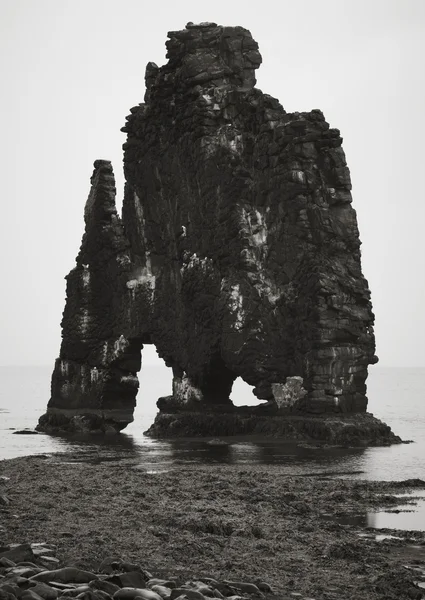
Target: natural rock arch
237, 253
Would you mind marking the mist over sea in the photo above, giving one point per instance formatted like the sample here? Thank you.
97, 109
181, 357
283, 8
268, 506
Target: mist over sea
396, 395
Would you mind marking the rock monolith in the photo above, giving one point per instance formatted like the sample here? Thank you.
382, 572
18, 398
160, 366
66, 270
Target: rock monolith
237, 255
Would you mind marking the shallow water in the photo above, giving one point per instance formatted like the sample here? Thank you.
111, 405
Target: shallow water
395, 396
409, 515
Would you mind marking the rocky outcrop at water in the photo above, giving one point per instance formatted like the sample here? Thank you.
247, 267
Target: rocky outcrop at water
237, 253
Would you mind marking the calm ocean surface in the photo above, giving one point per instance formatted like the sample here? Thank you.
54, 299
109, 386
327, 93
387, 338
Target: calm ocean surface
396, 395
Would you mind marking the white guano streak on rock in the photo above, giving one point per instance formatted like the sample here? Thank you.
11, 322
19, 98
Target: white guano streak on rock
288, 393
94, 375
142, 276
104, 355
129, 379
196, 261
208, 99
64, 368
236, 306
85, 275
119, 346
254, 223
298, 176
123, 259
184, 390
84, 321
226, 137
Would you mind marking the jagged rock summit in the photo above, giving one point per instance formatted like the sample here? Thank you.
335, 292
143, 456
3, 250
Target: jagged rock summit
237, 255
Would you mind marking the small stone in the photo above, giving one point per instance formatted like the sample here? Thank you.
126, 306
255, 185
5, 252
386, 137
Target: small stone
264, 587
12, 589
203, 588
94, 595
27, 563
24, 571
164, 592
113, 564
131, 593
76, 591
62, 586
164, 582
248, 588
40, 550
45, 591
106, 586
6, 563
19, 553
30, 595
49, 560
66, 575
4, 500
191, 594
210, 581
133, 579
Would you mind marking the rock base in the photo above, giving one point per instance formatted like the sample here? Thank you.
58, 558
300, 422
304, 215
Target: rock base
60, 421
351, 430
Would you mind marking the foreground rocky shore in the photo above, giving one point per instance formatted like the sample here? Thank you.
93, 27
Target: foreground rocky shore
112, 530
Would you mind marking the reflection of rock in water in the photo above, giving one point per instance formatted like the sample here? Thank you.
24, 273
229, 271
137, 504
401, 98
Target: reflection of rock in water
301, 461
101, 441
237, 255
92, 448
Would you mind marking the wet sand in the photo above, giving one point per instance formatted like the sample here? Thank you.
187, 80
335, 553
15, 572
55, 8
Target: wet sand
251, 523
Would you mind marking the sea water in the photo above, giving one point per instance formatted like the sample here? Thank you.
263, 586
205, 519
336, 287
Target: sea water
396, 395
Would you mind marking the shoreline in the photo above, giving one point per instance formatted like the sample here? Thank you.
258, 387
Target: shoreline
243, 522
341, 429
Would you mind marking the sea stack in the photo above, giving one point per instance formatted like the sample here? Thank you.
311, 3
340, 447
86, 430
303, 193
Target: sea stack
237, 255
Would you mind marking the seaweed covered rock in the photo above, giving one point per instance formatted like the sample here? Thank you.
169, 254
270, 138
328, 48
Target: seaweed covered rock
237, 253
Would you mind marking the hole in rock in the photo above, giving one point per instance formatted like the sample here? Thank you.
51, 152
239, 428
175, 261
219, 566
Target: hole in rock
242, 395
155, 380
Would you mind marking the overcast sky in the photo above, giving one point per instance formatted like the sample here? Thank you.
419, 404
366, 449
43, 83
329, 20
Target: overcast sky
71, 69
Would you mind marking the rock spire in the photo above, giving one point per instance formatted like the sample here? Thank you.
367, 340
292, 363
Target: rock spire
237, 253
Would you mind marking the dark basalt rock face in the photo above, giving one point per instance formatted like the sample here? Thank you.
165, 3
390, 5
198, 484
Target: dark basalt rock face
237, 254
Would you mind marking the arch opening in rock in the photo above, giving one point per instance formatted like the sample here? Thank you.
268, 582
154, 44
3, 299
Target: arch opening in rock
243, 394
155, 381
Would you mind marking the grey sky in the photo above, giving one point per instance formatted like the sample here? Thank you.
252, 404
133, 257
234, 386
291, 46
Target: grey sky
71, 69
